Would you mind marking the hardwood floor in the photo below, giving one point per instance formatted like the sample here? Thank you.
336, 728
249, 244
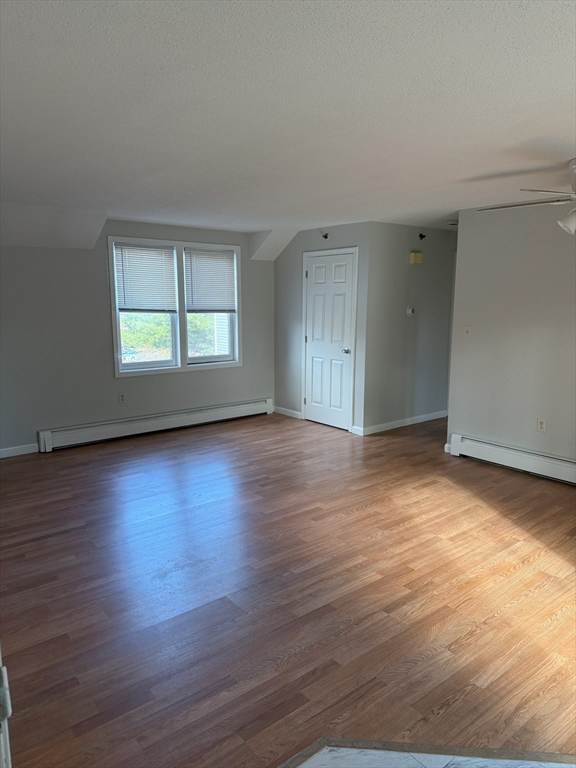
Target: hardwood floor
224, 595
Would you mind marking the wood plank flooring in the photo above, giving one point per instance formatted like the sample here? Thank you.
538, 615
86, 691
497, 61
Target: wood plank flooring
224, 595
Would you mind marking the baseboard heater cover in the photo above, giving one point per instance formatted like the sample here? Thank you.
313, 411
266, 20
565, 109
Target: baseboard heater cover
515, 458
93, 433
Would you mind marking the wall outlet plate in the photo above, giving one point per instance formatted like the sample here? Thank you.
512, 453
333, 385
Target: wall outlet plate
541, 424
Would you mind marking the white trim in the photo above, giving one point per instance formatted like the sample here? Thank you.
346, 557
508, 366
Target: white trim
5, 757
18, 450
288, 412
515, 458
303, 335
190, 367
90, 433
447, 448
182, 364
354, 310
400, 423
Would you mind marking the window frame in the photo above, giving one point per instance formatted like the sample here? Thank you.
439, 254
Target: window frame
124, 368
232, 322
182, 363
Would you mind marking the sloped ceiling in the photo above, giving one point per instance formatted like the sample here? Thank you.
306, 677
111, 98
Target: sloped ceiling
259, 115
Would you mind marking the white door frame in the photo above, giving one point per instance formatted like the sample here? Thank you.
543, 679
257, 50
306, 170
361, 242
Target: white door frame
330, 252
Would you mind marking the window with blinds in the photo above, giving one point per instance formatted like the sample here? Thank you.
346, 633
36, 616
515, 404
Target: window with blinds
145, 278
210, 278
175, 305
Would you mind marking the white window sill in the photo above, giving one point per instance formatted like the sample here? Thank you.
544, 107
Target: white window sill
179, 369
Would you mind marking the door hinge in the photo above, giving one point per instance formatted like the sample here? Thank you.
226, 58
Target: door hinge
305, 339
306, 273
304, 401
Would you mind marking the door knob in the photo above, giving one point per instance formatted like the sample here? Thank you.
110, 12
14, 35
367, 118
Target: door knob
346, 350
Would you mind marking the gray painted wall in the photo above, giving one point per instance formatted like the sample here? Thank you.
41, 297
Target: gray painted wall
288, 310
515, 281
401, 363
407, 358
57, 353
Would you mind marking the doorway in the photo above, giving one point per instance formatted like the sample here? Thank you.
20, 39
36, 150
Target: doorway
329, 306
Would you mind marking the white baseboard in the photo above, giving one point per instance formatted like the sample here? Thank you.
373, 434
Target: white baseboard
447, 448
18, 450
515, 458
400, 423
288, 412
92, 433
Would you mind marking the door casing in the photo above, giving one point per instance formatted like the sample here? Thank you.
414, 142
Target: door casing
305, 258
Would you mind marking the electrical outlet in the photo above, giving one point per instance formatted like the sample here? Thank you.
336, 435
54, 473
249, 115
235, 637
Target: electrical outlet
467, 331
121, 397
541, 425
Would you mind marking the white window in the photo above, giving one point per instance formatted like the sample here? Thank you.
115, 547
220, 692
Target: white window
175, 305
210, 304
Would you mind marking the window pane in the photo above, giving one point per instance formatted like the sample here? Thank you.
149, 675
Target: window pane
146, 337
209, 334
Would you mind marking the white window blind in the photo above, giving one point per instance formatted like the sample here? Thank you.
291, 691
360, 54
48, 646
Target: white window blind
210, 278
145, 278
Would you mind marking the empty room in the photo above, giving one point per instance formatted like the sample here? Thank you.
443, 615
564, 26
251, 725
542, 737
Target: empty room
288, 383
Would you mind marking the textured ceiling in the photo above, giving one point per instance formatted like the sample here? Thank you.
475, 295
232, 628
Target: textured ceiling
264, 114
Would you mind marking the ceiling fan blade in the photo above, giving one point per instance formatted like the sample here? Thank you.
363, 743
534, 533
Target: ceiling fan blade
520, 172
552, 201
545, 191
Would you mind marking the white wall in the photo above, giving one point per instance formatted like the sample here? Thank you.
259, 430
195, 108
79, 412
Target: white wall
515, 280
401, 363
57, 353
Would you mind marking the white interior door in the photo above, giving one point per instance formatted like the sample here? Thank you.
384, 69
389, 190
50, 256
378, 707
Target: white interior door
329, 353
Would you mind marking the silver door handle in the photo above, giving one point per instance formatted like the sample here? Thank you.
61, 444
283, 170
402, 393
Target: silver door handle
346, 350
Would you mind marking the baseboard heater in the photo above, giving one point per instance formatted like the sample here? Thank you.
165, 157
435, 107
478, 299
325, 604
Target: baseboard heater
535, 463
93, 433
